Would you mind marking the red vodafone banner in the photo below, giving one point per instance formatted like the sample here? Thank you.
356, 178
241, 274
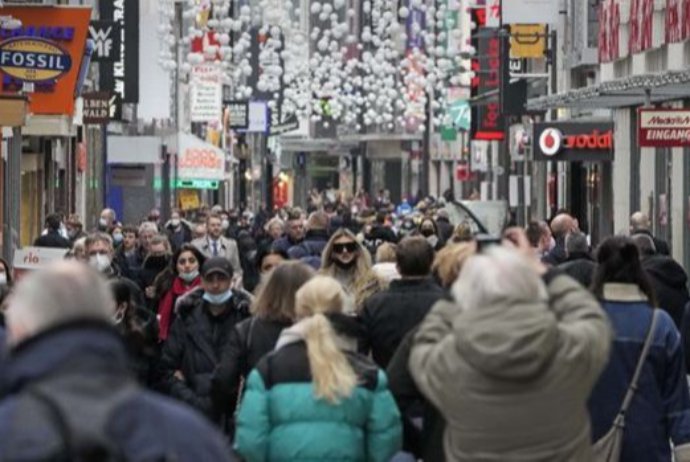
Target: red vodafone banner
663, 128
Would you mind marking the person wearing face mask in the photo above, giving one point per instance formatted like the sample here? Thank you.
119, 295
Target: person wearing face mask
99, 251
118, 237
200, 332
429, 231
181, 277
179, 232
155, 263
139, 330
349, 262
107, 220
75, 229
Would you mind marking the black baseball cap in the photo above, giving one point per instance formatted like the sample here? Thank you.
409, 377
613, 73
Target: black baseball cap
218, 265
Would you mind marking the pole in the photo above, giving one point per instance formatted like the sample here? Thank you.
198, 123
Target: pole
11, 220
165, 190
426, 147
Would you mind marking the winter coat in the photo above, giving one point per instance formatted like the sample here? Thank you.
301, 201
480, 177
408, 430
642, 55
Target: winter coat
670, 283
557, 255
311, 249
389, 315
145, 427
194, 347
226, 248
180, 237
281, 420
580, 267
285, 243
660, 245
512, 379
249, 341
53, 239
660, 410
426, 443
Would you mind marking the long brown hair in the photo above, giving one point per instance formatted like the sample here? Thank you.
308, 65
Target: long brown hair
275, 299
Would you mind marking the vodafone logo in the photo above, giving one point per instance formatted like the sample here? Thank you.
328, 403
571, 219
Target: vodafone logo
550, 141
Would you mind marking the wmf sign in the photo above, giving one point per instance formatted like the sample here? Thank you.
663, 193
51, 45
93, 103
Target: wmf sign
106, 36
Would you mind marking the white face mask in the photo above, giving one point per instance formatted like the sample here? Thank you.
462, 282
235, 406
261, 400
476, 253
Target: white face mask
175, 222
225, 224
100, 262
103, 222
3, 279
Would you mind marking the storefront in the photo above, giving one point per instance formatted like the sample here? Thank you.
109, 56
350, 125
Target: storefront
46, 58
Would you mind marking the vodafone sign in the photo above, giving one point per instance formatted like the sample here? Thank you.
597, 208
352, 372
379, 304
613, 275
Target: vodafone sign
573, 141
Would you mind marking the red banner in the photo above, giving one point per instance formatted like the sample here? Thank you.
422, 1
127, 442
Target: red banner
640, 25
609, 31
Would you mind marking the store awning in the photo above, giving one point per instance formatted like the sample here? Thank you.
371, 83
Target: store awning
630, 91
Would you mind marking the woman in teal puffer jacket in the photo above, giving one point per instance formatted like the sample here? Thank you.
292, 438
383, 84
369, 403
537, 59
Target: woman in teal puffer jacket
315, 398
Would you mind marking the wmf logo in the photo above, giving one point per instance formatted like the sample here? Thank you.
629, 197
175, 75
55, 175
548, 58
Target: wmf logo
106, 38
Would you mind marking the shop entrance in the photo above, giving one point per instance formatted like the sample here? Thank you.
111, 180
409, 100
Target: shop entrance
591, 198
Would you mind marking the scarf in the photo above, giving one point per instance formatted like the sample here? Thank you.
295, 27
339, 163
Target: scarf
165, 309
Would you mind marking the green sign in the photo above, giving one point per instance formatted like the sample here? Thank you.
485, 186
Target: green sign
187, 184
461, 114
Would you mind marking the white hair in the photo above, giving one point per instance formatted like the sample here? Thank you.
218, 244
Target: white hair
499, 275
65, 292
148, 226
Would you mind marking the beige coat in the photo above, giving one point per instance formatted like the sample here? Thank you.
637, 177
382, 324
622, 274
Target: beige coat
512, 381
227, 249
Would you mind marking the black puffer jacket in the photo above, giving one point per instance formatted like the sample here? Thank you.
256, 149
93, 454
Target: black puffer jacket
194, 348
389, 315
249, 341
669, 281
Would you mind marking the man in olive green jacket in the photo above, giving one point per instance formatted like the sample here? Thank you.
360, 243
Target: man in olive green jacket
511, 363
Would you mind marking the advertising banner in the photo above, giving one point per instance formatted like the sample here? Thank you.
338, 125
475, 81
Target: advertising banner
96, 108
206, 93
121, 77
573, 141
46, 52
107, 39
198, 160
663, 128
488, 123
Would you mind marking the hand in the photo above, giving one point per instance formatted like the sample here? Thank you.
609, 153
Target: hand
179, 376
151, 292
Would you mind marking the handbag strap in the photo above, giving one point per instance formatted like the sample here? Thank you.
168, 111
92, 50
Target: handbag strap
630, 394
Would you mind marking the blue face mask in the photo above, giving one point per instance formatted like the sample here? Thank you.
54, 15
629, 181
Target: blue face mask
189, 277
218, 299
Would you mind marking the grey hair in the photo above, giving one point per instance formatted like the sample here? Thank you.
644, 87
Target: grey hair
148, 226
499, 275
62, 293
576, 243
639, 221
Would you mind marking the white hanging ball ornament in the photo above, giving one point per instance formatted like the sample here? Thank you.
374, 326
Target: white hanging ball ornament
315, 8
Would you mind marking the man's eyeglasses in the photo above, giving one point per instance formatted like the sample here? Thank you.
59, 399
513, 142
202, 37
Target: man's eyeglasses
350, 247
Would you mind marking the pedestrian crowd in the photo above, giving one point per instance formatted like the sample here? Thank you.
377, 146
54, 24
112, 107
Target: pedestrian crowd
350, 331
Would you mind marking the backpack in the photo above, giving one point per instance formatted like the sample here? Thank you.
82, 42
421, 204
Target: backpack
78, 420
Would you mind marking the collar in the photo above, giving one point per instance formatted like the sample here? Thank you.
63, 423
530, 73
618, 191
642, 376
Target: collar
619, 292
411, 282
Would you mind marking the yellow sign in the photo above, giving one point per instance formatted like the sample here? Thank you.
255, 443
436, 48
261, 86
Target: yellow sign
189, 199
527, 40
33, 59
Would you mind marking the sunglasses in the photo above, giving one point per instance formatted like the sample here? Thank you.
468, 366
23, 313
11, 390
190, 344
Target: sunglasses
350, 247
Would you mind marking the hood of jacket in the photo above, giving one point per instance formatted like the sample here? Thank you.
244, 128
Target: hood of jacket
85, 347
666, 270
507, 340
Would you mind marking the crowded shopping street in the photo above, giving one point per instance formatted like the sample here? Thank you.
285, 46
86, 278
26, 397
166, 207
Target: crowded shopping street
344, 230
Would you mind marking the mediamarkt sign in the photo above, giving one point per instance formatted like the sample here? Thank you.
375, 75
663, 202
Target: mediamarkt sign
663, 128
573, 141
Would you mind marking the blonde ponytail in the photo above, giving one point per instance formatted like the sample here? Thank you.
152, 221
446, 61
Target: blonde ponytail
333, 376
